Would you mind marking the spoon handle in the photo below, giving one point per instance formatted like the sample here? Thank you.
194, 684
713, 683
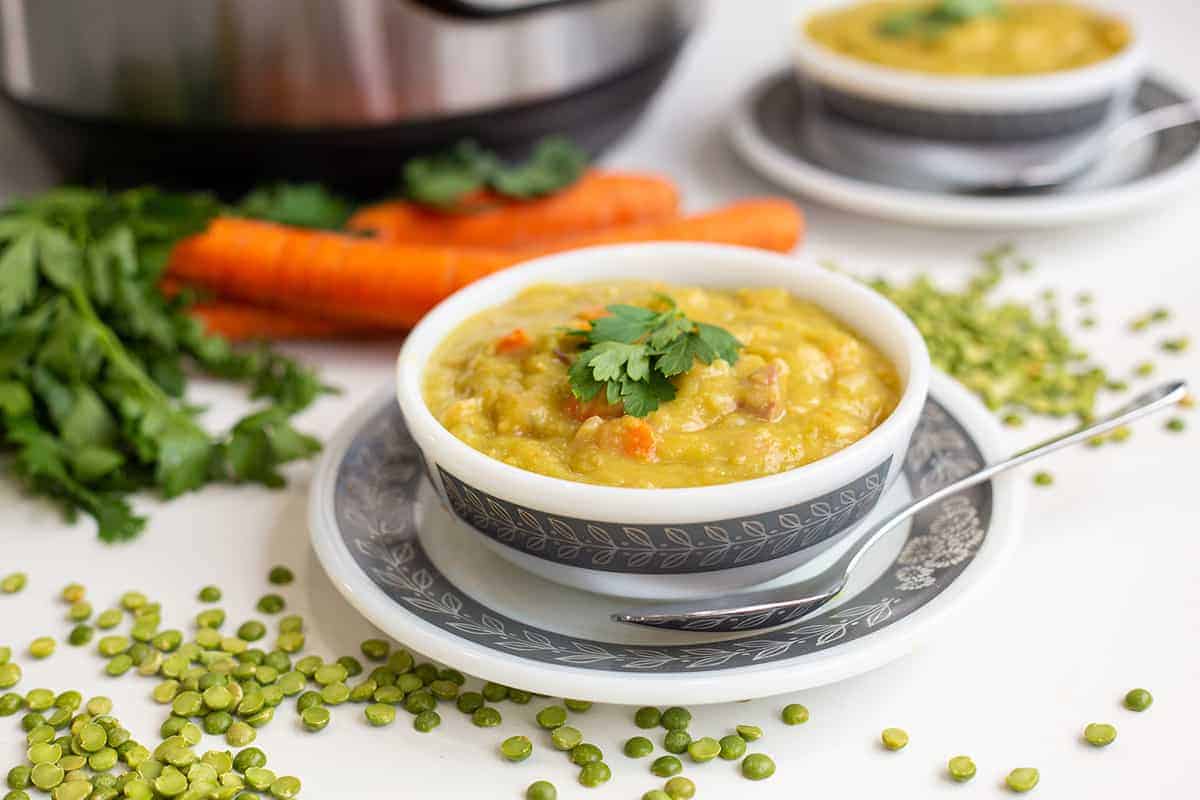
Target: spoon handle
1122, 135
1151, 122
786, 604
1148, 402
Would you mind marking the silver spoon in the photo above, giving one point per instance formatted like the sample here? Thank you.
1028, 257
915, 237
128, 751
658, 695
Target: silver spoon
771, 608
1050, 174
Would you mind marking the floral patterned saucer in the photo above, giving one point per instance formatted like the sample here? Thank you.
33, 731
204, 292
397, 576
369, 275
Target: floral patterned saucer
401, 560
787, 137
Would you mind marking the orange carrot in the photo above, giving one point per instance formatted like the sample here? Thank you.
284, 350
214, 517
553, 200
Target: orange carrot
514, 341
327, 275
637, 439
597, 201
596, 407
768, 223
389, 285
238, 323
170, 287
593, 313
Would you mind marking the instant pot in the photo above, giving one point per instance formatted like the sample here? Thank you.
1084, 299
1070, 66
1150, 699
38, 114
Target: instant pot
226, 93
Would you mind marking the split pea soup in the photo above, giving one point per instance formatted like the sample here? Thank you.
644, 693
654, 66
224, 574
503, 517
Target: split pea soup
803, 385
1013, 38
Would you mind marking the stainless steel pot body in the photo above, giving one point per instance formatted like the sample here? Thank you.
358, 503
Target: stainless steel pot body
319, 64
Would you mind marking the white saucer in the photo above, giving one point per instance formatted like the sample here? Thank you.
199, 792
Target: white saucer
403, 562
781, 135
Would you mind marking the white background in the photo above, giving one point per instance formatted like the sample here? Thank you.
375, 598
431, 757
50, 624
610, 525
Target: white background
1103, 595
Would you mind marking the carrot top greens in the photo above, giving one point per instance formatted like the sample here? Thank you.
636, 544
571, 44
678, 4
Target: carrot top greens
307, 205
443, 180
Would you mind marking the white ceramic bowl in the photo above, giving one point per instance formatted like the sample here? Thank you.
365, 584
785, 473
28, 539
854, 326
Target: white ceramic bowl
668, 543
988, 109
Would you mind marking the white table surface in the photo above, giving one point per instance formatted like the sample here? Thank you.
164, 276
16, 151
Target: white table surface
1103, 595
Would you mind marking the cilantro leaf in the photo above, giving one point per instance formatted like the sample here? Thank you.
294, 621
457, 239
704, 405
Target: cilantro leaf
18, 275
308, 205
963, 10
900, 23
935, 19
610, 360
623, 324
41, 460
442, 181
671, 328
15, 400
263, 442
90, 464
633, 352
94, 360
184, 455
678, 356
60, 259
88, 422
115, 520
642, 397
583, 385
724, 344
554, 164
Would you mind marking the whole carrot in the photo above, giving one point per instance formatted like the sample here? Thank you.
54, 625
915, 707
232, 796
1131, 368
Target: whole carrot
597, 201
767, 223
387, 285
239, 322
328, 275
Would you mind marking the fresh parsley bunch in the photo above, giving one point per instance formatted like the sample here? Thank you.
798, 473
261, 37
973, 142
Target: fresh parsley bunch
94, 360
634, 352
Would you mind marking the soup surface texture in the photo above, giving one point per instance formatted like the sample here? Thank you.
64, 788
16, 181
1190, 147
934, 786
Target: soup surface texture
1023, 38
804, 386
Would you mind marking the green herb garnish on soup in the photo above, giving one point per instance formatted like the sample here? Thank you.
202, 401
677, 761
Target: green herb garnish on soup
971, 37
633, 353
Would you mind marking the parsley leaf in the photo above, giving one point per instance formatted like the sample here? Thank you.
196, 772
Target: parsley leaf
18, 275
94, 360
678, 356
608, 361
444, 180
642, 397
308, 205
720, 343
963, 10
633, 352
583, 384
623, 324
555, 164
261, 443
932, 21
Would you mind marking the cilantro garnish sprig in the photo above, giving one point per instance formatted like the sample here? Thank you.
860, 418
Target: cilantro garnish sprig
938, 17
634, 352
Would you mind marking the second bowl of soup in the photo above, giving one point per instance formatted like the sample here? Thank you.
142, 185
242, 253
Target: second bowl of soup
750, 459
991, 71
